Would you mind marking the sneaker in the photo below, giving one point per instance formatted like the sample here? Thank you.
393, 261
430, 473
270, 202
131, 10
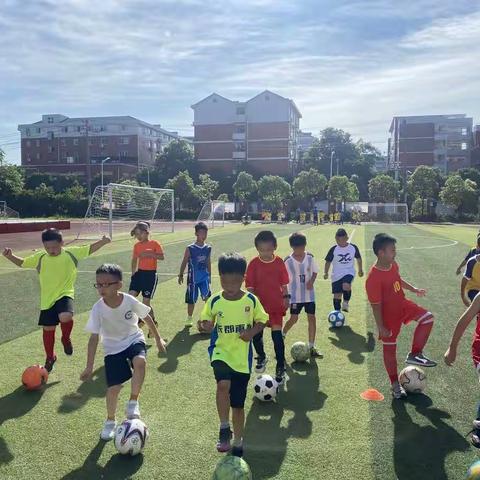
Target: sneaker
189, 322
280, 375
224, 437
132, 410
261, 364
315, 353
237, 451
475, 439
398, 391
108, 431
420, 359
149, 334
67, 347
345, 306
49, 363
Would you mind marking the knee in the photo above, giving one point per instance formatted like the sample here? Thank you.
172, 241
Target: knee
346, 287
312, 319
49, 329
223, 386
139, 363
114, 389
65, 317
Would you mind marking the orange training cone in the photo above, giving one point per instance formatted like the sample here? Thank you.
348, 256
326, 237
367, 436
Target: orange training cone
372, 395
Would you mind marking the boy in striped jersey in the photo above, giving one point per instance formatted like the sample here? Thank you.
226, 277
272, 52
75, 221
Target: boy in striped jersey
302, 271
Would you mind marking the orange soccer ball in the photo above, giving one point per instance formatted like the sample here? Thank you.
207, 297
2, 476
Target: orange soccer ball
34, 377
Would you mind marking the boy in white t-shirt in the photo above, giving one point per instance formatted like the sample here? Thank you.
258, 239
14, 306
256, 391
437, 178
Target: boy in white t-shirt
302, 271
115, 318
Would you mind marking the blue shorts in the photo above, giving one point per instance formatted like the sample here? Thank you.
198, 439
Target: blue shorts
337, 287
194, 290
118, 367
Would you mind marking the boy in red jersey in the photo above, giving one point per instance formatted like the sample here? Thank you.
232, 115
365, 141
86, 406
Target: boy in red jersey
267, 278
391, 310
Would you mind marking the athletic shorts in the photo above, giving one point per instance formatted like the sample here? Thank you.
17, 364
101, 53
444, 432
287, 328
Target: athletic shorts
296, 308
275, 319
144, 282
50, 317
410, 312
119, 366
238, 382
194, 290
337, 287
471, 294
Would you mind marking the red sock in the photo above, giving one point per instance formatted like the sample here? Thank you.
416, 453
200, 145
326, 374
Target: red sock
422, 332
390, 361
49, 342
66, 330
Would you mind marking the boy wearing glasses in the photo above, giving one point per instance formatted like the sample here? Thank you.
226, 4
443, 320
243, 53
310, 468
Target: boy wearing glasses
115, 318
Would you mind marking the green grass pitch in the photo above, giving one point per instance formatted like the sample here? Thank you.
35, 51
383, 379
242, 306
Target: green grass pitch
319, 428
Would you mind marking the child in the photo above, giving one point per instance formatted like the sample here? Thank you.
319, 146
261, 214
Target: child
198, 257
115, 317
146, 253
268, 279
471, 280
343, 271
302, 271
471, 253
391, 310
57, 272
236, 317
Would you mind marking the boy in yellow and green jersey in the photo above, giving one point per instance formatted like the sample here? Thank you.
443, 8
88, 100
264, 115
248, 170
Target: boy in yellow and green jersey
57, 272
234, 317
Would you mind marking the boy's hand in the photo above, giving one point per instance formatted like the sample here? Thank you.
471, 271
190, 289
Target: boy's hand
465, 302
325, 276
360, 273
180, 279
450, 356
246, 335
384, 332
286, 303
161, 345
86, 374
420, 292
309, 285
106, 239
459, 271
7, 252
205, 326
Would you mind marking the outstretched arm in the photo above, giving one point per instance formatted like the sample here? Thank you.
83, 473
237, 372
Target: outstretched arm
98, 245
8, 254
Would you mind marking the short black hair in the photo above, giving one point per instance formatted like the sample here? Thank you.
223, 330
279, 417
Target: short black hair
266, 236
52, 234
110, 269
341, 232
201, 226
232, 263
297, 239
381, 240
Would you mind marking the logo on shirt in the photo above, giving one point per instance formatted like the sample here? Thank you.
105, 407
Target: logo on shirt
231, 328
302, 278
128, 315
220, 314
397, 287
344, 258
247, 309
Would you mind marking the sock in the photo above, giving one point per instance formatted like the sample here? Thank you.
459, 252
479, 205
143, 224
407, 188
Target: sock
279, 346
224, 425
337, 303
237, 442
390, 361
420, 337
49, 342
190, 317
66, 330
311, 344
347, 295
258, 344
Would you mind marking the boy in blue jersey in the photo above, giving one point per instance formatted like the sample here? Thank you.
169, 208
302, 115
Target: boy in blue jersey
197, 257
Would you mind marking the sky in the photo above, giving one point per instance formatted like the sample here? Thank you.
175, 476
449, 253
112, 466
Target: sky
346, 64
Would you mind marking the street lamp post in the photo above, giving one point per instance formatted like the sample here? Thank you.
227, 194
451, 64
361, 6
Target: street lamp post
331, 163
103, 161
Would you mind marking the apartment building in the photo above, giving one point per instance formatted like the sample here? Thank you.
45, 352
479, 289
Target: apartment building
261, 133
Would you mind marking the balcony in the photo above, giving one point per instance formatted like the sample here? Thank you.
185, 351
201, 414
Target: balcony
238, 136
238, 155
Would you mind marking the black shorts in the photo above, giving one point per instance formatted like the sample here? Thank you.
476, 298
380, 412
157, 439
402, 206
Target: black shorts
49, 317
144, 282
337, 287
238, 382
118, 367
472, 294
296, 308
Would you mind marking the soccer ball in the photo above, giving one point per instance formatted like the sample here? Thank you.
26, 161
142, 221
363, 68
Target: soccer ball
413, 379
232, 468
266, 388
130, 437
300, 352
336, 319
473, 472
34, 377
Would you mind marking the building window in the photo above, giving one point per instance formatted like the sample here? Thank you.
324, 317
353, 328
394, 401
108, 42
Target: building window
122, 127
39, 156
76, 157
39, 130
28, 143
50, 119
27, 132
79, 129
90, 141
124, 140
240, 110
37, 143
63, 142
464, 146
239, 146
29, 159
239, 128
103, 128
51, 149
75, 141
65, 129
464, 131
124, 154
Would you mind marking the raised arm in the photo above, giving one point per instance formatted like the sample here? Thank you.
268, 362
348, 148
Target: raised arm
8, 254
94, 247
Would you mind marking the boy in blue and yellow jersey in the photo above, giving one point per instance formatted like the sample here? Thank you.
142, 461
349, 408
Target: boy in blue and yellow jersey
234, 317
471, 253
471, 280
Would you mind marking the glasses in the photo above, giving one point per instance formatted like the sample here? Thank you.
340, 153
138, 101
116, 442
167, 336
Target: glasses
104, 285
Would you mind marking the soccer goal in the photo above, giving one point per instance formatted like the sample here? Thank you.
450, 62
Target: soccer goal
213, 213
378, 212
114, 209
6, 211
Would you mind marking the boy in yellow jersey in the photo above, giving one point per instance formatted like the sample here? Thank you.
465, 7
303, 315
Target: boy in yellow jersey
471, 280
234, 317
57, 272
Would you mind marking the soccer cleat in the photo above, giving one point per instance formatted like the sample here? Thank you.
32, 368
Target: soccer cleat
420, 359
398, 392
132, 410
67, 346
237, 451
475, 439
49, 363
345, 306
149, 334
224, 437
315, 353
108, 431
261, 364
189, 322
280, 375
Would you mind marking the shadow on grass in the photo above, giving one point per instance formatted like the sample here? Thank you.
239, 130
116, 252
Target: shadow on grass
420, 450
119, 467
357, 345
93, 388
266, 440
181, 344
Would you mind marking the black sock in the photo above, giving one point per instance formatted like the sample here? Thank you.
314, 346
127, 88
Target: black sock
337, 303
279, 346
258, 344
347, 295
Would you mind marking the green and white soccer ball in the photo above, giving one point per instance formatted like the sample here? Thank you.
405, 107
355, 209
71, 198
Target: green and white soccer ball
300, 352
232, 468
413, 379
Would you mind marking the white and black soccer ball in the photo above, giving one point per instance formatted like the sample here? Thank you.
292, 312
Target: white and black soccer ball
265, 388
130, 437
300, 352
413, 379
336, 319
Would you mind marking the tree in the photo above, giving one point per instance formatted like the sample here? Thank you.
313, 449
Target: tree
245, 186
309, 185
207, 188
176, 157
341, 189
425, 182
11, 181
223, 197
184, 188
311, 157
470, 173
383, 189
458, 193
273, 191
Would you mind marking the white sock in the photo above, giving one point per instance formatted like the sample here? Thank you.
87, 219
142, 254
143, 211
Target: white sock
311, 344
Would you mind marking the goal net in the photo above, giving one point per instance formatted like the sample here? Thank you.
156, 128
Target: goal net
377, 212
115, 208
6, 211
213, 214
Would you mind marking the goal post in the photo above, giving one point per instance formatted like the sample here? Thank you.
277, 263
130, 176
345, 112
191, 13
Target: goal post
114, 208
6, 211
213, 213
378, 212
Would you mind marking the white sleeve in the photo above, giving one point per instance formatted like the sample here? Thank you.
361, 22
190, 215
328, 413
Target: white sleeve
94, 322
314, 266
140, 308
